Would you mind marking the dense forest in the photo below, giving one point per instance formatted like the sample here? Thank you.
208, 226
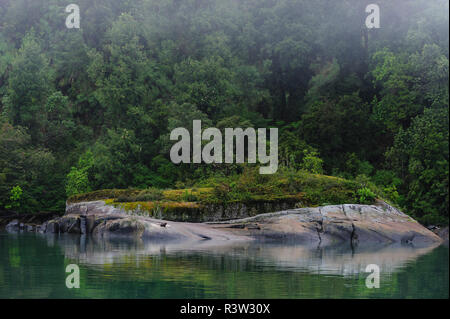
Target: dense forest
92, 108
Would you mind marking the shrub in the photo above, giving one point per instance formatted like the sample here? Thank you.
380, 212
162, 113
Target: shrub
312, 162
15, 198
221, 192
77, 180
366, 196
392, 194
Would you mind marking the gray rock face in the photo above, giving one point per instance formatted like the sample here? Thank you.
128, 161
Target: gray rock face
52, 227
327, 225
442, 232
355, 224
25, 222
16, 226
42, 228
92, 208
69, 224
128, 226
204, 213
13, 225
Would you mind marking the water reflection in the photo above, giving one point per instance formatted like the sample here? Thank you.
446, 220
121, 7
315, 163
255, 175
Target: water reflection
33, 266
334, 260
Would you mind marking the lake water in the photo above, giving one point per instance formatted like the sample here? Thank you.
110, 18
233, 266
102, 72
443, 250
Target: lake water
33, 266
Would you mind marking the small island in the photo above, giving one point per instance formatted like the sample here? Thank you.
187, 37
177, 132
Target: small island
296, 207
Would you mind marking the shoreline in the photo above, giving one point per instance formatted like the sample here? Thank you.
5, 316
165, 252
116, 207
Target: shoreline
31, 219
325, 225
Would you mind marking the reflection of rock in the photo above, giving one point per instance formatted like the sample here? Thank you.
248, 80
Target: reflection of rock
334, 260
352, 224
341, 259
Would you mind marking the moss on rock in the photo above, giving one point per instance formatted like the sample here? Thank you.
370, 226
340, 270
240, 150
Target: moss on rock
236, 196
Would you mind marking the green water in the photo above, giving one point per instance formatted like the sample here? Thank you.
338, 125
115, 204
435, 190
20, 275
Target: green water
33, 266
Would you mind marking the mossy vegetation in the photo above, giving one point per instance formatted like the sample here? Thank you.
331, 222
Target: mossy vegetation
102, 194
250, 191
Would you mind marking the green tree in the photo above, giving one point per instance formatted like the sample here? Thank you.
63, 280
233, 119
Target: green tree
420, 157
28, 86
78, 178
15, 198
312, 162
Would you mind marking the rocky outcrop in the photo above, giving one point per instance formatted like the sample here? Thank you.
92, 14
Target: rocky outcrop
14, 225
356, 224
327, 225
92, 208
24, 222
441, 232
128, 226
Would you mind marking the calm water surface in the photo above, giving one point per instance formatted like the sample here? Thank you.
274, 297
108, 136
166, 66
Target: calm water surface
33, 266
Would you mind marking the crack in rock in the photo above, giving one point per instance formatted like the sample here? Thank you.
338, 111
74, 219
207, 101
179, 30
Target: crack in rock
320, 223
353, 235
